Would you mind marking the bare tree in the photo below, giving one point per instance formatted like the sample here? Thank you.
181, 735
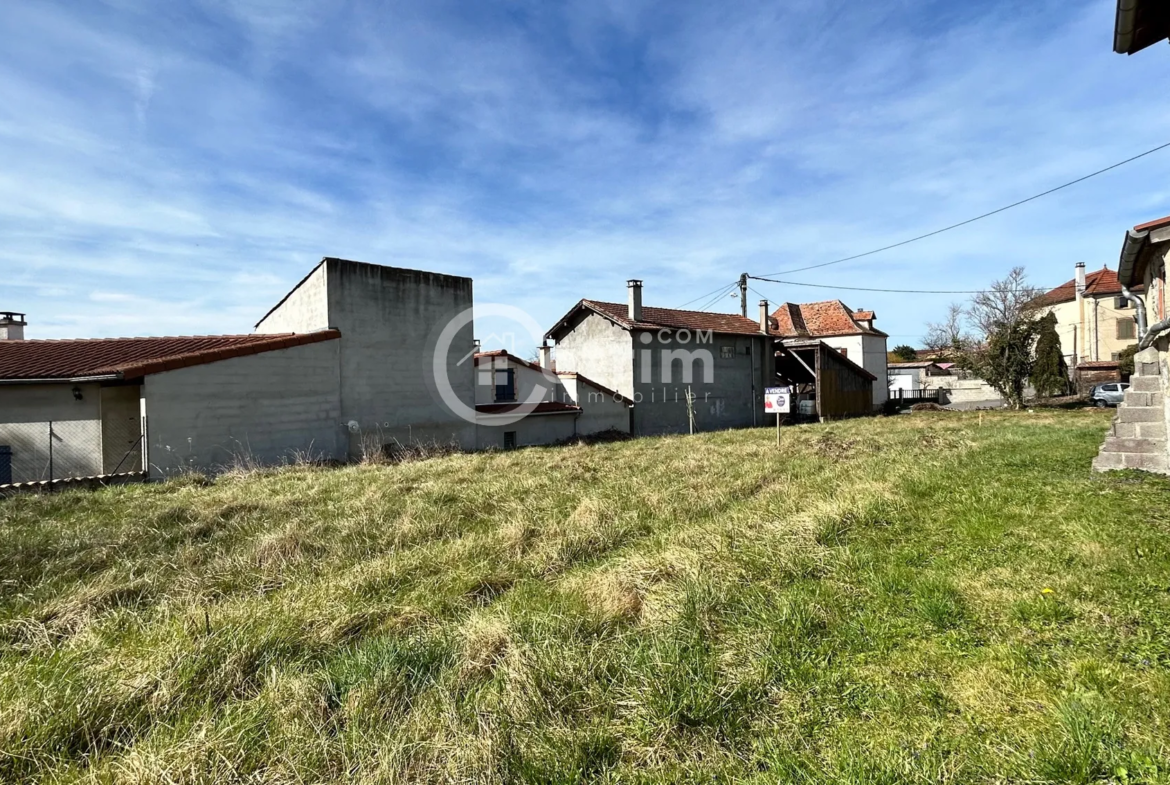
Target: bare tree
1005, 303
948, 338
1006, 317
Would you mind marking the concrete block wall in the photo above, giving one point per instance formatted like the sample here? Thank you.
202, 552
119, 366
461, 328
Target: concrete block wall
303, 310
732, 399
599, 411
77, 434
262, 407
532, 431
601, 350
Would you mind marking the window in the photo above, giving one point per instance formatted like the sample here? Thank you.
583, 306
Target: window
1115, 356
505, 384
509, 440
844, 352
1125, 329
1121, 303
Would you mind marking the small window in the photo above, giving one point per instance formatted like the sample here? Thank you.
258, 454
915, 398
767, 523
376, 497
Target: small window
1126, 329
505, 384
844, 352
1121, 303
509, 440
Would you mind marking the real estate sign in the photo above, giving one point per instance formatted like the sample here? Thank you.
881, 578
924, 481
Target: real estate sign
777, 400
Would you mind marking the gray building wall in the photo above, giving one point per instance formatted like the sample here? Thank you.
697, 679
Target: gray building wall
599, 411
732, 399
533, 430
304, 310
262, 408
601, 350
121, 429
390, 319
633, 366
27, 410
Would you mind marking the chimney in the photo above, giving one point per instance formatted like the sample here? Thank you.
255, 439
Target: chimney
12, 326
764, 317
635, 291
1080, 268
546, 356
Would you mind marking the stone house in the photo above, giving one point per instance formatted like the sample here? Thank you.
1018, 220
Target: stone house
850, 332
658, 358
1137, 435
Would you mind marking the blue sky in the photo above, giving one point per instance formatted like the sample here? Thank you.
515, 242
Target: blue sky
172, 168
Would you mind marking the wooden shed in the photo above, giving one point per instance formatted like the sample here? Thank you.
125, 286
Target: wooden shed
818, 372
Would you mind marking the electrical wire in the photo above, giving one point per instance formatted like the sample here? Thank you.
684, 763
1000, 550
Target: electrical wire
978, 217
868, 289
719, 292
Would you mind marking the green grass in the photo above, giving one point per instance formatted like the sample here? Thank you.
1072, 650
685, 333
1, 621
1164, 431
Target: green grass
929, 598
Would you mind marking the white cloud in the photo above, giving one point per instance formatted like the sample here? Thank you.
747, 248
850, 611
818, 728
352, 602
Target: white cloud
220, 150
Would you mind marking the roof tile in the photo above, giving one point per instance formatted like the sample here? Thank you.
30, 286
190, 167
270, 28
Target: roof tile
676, 319
131, 358
818, 320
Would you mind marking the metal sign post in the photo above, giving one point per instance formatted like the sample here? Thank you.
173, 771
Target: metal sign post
777, 401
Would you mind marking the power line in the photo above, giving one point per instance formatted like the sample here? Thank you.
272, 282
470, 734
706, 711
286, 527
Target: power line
867, 289
720, 291
978, 217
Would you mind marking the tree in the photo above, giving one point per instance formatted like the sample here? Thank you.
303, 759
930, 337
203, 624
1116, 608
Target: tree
1005, 316
1125, 361
1049, 374
947, 339
905, 353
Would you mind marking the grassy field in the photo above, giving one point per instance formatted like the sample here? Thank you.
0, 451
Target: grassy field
923, 598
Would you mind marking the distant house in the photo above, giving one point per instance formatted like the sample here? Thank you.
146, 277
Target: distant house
850, 332
555, 406
1094, 319
682, 369
918, 375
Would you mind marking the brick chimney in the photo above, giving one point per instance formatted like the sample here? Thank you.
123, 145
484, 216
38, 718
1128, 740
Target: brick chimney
635, 291
764, 316
12, 326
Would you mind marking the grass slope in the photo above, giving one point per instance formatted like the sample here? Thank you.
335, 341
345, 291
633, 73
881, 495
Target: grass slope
923, 598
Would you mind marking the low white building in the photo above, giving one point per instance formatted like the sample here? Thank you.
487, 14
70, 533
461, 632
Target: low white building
519, 403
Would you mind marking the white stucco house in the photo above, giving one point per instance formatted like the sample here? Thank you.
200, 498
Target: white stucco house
850, 332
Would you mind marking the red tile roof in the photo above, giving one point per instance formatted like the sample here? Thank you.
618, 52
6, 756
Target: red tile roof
503, 353
1157, 223
545, 407
667, 318
1101, 283
820, 320
130, 358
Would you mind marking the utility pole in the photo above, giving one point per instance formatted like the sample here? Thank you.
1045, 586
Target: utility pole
743, 278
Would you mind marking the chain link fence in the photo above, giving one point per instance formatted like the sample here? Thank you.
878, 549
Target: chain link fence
42, 452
